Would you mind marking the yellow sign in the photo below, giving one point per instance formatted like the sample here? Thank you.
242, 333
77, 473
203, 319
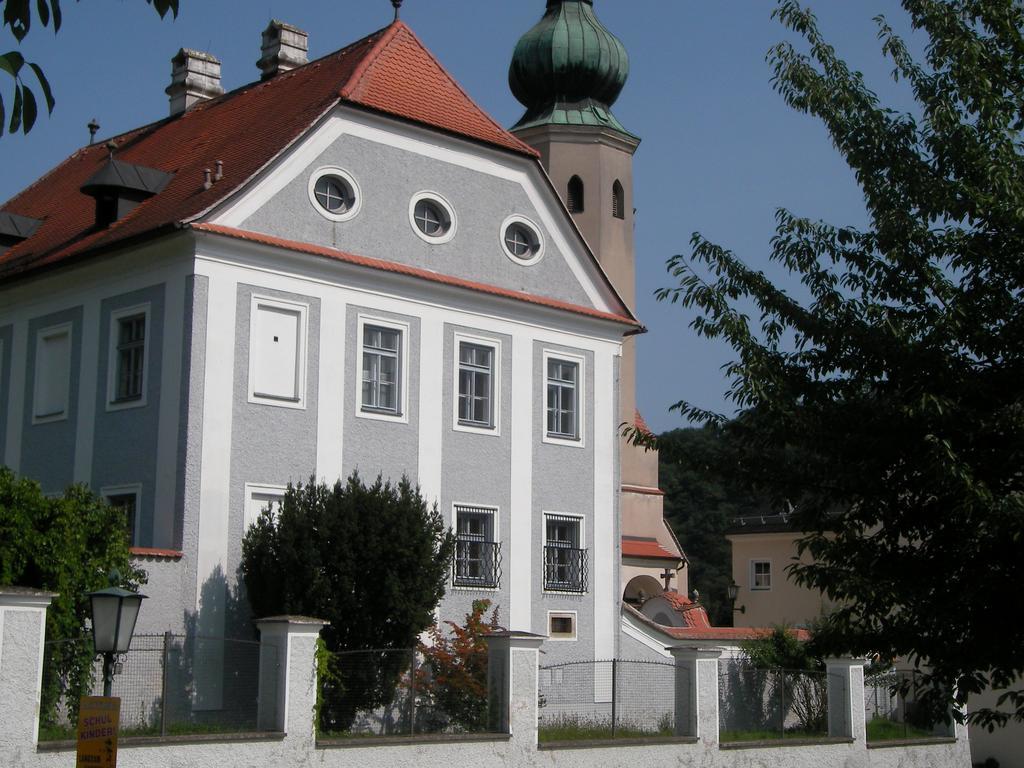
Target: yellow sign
98, 719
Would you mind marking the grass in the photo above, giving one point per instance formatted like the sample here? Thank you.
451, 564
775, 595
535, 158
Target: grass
69, 733
726, 737
582, 729
883, 729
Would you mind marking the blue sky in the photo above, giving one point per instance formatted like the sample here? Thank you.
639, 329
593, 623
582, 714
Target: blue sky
720, 150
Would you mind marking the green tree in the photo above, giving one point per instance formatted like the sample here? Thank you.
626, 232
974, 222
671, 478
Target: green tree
371, 560
18, 18
66, 545
885, 400
701, 498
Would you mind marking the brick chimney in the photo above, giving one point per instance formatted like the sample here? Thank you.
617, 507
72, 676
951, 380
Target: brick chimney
284, 47
195, 77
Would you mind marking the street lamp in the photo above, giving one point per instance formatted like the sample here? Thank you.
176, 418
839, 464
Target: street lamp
734, 592
114, 613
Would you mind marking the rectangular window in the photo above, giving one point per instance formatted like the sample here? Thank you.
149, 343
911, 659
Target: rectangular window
259, 498
761, 574
131, 351
382, 367
562, 626
477, 554
476, 385
52, 373
565, 558
277, 349
563, 399
126, 499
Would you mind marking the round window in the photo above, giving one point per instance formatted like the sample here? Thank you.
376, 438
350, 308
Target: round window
521, 241
334, 194
432, 218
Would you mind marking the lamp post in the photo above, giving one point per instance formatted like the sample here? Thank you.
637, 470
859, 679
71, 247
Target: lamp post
734, 592
114, 613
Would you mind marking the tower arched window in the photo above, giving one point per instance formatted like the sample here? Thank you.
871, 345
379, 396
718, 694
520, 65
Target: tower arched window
574, 195
618, 200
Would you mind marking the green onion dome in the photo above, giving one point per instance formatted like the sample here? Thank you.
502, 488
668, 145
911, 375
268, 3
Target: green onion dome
568, 69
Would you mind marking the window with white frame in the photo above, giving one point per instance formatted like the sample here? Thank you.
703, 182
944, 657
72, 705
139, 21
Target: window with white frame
761, 574
476, 385
477, 553
562, 625
563, 398
52, 373
565, 557
381, 369
131, 349
260, 498
126, 499
277, 352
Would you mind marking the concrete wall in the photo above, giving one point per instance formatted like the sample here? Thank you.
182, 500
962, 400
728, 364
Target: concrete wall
1004, 744
6, 339
388, 178
288, 706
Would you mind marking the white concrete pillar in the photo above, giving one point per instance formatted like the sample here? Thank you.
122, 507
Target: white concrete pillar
22, 633
288, 679
846, 713
696, 693
512, 686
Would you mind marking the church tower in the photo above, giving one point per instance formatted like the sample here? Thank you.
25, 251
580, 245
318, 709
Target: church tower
568, 72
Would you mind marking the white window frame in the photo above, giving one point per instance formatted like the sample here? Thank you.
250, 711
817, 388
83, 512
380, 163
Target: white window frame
44, 333
130, 489
404, 363
563, 638
256, 302
522, 220
113, 404
583, 545
441, 202
345, 176
496, 532
581, 392
753, 564
258, 489
495, 345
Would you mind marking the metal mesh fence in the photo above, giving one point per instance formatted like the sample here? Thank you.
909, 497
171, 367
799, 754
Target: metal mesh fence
892, 709
757, 704
613, 699
177, 684
387, 692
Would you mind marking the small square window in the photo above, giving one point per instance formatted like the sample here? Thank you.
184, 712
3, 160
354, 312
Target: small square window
562, 626
761, 574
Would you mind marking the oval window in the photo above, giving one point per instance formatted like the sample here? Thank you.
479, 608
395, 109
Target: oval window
521, 240
432, 218
334, 194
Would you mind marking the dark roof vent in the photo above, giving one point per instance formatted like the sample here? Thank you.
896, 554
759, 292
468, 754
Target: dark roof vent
15, 228
119, 187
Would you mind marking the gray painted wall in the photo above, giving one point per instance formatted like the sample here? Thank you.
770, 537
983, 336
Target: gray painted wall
269, 444
6, 339
48, 450
124, 441
373, 446
388, 179
476, 469
563, 481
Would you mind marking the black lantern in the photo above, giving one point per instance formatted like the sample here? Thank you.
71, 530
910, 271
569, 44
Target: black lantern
114, 613
733, 590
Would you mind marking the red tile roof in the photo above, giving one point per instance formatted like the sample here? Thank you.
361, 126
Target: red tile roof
404, 269
246, 129
711, 634
633, 547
